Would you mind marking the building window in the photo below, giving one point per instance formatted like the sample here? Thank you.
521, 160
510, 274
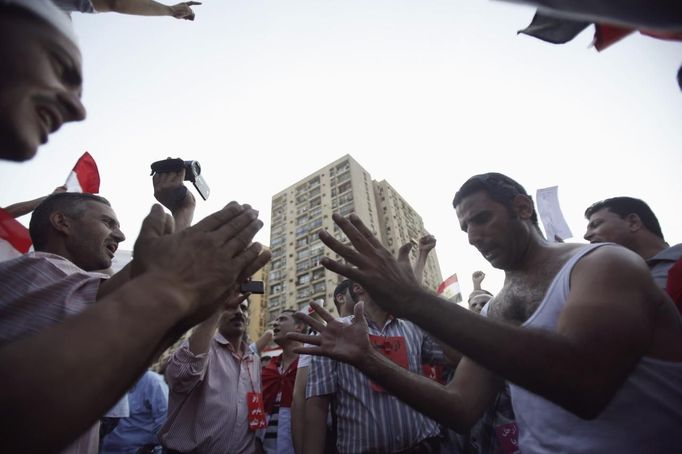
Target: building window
304, 292
320, 287
303, 279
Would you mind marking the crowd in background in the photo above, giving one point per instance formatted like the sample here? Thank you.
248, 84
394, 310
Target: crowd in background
579, 352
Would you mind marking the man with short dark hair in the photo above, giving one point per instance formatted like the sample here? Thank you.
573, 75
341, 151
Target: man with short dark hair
343, 301
581, 332
631, 223
278, 379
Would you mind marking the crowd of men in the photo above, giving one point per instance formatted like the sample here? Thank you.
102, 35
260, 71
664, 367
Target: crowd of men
579, 352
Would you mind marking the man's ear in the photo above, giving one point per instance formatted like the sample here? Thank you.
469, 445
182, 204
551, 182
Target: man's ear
61, 223
634, 222
523, 206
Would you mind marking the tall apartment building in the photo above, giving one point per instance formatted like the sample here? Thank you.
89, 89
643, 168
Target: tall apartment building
258, 317
299, 211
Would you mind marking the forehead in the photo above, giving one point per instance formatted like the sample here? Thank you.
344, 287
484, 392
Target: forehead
604, 214
285, 316
94, 208
474, 203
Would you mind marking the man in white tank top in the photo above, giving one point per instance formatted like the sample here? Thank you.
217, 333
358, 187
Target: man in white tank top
592, 348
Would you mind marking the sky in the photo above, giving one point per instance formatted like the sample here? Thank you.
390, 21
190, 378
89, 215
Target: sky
422, 94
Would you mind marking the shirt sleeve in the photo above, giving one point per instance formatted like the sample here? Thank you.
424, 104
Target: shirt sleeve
185, 369
158, 399
321, 377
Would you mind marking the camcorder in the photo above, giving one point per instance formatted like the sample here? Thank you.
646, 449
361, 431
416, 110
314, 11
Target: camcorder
252, 287
192, 173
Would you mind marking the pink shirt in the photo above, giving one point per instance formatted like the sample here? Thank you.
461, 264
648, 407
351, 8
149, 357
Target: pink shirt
207, 405
38, 290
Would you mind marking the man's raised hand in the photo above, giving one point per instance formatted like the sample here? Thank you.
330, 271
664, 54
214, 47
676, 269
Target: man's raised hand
390, 281
204, 262
348, 343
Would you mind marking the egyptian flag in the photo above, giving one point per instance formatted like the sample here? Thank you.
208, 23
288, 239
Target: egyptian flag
84, 177
449, 289
14, 237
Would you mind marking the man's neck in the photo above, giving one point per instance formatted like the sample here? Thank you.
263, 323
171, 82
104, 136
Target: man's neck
235, 342
375, 313
288, 354
649, 246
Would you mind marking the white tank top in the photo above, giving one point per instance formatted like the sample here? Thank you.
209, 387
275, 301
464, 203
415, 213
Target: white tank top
645, 415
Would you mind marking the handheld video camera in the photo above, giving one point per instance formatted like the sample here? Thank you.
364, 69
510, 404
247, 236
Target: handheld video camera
252, 287
192, 173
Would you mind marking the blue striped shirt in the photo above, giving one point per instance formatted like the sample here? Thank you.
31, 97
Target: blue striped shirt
370, 421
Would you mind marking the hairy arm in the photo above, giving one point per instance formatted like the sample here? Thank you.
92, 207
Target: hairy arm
181, 280
604, 329
88, 353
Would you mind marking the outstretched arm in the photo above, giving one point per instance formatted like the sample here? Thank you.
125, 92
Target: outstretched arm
181, 279
146, 8
611, 292
21, 208
457, 405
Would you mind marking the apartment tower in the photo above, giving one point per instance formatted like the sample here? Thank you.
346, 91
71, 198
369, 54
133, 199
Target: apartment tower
299, 211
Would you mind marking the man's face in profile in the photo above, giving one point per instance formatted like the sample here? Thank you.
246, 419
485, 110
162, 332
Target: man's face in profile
40, 83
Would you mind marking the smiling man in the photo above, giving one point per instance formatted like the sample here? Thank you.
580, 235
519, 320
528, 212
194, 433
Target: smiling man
41, 78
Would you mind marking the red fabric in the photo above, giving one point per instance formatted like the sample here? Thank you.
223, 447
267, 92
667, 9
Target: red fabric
606, 35
14, 232
272, 383
674, 284
87, 173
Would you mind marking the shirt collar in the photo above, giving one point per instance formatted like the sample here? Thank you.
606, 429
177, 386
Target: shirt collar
673, 253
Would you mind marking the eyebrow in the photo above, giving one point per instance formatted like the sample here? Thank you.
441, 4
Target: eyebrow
110, 220
72, 72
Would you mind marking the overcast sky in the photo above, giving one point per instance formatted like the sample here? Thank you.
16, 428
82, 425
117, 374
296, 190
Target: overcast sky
422, 94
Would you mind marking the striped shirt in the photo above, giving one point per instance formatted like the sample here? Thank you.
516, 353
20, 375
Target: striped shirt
207, 405
39, 290
367, 420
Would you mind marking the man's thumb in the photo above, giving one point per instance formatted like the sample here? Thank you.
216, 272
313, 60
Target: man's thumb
154, 224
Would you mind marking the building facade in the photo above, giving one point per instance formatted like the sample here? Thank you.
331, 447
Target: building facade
295, 275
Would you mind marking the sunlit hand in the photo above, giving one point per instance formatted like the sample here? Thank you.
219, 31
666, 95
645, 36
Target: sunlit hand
348, 343
171, 192
183, 10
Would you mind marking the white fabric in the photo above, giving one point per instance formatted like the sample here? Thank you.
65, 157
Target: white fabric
49, 12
